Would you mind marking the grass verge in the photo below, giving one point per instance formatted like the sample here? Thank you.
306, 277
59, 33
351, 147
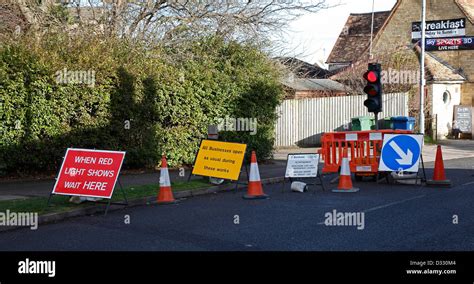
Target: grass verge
429, 140
61, 204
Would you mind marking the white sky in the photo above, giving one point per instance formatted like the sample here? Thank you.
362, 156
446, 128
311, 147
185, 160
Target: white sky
312, 36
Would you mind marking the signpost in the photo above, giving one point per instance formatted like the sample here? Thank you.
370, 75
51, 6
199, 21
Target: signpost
219, 159
302, 166
89, 173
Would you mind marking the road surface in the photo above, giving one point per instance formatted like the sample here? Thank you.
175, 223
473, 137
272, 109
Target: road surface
396, 217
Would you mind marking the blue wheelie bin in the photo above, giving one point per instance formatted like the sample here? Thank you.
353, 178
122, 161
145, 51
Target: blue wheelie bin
403, 123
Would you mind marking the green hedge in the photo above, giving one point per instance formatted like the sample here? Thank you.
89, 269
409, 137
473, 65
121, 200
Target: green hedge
168, 96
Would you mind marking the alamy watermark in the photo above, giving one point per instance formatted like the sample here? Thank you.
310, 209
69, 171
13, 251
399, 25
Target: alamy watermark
77, 77
335, 218
21, 219
402, 77
28, 266
238, 124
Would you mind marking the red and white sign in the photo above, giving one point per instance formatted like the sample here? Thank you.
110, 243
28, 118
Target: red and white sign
90, 173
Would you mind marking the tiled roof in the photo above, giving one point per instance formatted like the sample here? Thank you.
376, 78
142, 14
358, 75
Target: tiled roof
355, 36
302, 84
303, 69
467, 6
438, 70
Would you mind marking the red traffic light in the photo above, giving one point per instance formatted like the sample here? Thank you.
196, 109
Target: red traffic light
371, 76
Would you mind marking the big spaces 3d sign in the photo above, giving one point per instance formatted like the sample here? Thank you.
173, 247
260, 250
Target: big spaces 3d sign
440, 28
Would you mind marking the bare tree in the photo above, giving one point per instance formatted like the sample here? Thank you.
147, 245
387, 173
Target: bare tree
157, 20
33, 11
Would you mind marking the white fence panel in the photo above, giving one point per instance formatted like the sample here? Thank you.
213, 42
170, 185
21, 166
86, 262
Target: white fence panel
302, 122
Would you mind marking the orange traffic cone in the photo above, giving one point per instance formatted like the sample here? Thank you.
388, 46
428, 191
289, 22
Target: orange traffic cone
165, 195
345, 178
439, 176
255, 190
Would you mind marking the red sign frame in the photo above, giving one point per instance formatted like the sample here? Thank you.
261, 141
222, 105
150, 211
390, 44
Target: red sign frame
89, 173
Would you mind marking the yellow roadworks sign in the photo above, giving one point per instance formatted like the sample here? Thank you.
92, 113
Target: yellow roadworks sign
219, 159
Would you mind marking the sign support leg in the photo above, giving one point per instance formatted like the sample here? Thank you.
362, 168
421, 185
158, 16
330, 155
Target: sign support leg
109, 202
49, 199
321, 182
423, 179
290, 179
123, 192
378, 179
190, 175
237, 182
107, 207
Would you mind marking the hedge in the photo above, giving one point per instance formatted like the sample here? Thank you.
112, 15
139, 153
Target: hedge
148, 101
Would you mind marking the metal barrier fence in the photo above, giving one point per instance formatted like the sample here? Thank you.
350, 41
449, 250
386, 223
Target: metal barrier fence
363, 148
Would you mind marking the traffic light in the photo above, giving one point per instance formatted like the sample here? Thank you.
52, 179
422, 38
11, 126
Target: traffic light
373, 88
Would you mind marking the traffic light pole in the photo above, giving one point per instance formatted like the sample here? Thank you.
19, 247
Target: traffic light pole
422, 69
376, 120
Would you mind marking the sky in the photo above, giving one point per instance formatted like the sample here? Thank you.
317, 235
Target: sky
312, 36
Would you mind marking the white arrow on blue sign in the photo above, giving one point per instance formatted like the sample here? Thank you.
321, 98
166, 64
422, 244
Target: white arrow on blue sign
401, 153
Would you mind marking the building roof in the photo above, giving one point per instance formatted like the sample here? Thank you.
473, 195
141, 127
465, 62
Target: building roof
303, 69
355, 36
438, 70
303, 84
467, 6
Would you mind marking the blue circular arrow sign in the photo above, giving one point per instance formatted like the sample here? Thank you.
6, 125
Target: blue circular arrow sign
402, 152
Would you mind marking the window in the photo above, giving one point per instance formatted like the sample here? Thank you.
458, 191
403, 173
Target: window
446, 97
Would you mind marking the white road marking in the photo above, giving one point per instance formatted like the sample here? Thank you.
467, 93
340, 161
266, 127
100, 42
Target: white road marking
469, 183
393, 203
387, 205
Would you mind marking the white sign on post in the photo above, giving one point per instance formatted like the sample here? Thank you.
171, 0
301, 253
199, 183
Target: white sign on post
302, 166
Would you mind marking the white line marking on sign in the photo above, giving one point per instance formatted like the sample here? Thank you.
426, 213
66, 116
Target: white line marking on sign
469, 183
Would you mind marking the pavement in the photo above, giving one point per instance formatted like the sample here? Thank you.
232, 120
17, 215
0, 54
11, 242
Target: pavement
9, 190
396, 217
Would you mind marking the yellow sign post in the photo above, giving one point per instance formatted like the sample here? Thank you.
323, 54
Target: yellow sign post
219, 159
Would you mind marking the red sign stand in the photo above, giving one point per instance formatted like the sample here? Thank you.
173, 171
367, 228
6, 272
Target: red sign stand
90, 173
